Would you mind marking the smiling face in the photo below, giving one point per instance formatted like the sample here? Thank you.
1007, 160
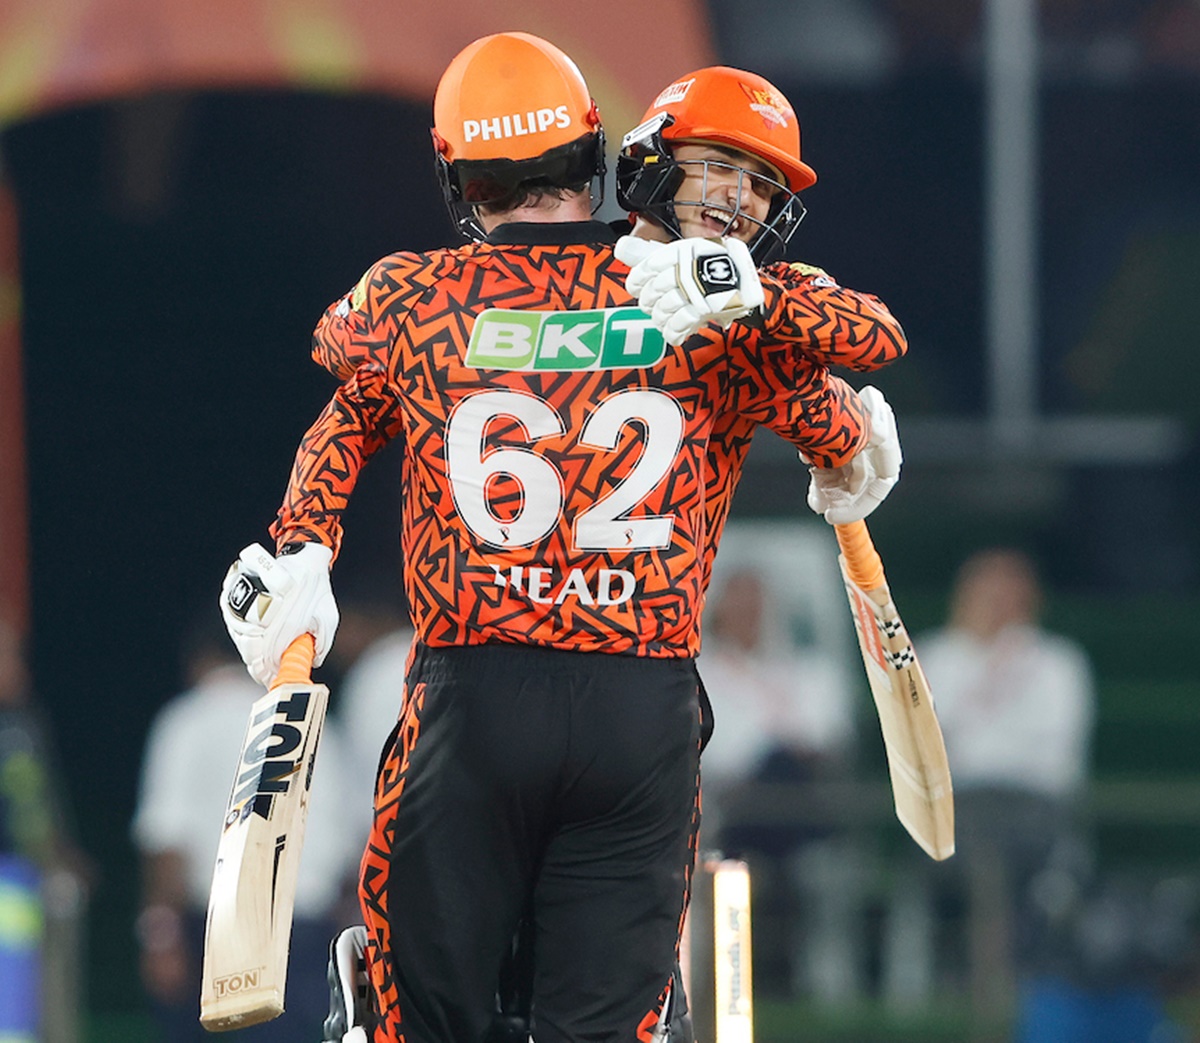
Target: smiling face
721, 188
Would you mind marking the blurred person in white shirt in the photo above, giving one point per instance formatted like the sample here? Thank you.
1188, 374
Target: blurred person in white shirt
778, 712
783, 713
190, 757
1017, 706
1016, 702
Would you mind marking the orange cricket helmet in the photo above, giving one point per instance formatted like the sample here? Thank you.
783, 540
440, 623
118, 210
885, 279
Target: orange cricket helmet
724, 106
511, 109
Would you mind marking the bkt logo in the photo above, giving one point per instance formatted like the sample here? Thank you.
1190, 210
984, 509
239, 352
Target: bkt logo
609, 338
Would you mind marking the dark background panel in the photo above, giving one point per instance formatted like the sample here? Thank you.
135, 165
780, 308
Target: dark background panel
168, 382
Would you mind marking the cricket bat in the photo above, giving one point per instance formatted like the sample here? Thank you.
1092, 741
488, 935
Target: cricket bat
916, 753
250, 905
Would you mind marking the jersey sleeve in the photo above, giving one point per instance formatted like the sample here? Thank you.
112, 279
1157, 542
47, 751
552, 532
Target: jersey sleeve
361, 326
801, 401
832, 325
362, 417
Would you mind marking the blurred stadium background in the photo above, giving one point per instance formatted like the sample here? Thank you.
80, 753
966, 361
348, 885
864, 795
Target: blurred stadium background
185, 186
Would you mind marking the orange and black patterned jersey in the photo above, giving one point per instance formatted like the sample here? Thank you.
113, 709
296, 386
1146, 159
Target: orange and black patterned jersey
832, 325
557, 451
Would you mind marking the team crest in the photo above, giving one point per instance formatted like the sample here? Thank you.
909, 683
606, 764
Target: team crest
772, 107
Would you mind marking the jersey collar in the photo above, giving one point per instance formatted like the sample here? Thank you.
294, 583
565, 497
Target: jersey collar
550, 233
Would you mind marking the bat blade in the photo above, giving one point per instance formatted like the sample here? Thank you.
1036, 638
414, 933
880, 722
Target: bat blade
249, 923
916, 752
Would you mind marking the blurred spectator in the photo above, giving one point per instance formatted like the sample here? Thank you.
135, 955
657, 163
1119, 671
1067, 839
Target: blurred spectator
190, 757
1017, 708
1016, 702
1075, 951
775, 719
781, 716
41, 874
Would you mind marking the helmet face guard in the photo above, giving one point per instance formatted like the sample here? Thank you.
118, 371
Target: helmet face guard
649, 179
730, 109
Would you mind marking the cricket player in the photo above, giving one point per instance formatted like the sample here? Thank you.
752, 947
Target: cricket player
717, 154
555, 527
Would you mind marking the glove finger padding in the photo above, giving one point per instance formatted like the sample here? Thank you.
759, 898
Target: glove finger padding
632, 251
680, 324
850, 493
658, 288
685, 285
267, 602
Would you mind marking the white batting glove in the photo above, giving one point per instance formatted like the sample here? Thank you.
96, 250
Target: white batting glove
267, 602
349, 988
686, 284
849, 493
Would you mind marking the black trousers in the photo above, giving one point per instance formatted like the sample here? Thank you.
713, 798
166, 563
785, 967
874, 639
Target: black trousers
530, 781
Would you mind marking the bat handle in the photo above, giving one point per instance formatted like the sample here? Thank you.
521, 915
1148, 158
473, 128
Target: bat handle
295, 666
863, 564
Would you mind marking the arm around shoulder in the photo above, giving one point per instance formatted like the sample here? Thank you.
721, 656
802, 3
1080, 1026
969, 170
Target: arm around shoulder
805, 306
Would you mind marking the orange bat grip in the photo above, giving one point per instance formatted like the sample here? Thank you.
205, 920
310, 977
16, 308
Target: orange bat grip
862, 559
295, 666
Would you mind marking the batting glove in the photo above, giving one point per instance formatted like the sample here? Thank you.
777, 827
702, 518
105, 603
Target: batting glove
849, 493
350, 1015
267, 602
685, 285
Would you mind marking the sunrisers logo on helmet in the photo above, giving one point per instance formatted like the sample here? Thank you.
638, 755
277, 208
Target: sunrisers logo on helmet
772, 107
736, 108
